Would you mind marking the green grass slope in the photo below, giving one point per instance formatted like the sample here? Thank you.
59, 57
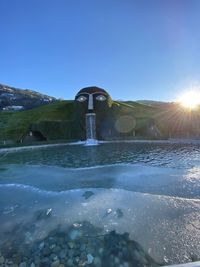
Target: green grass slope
14, 125
57, 120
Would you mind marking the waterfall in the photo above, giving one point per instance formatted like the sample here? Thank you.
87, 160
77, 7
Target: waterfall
91, 129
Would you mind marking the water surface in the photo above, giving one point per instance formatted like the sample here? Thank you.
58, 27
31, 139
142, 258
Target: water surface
151, 191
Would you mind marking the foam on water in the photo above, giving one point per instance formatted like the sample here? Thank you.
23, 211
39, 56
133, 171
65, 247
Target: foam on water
91, 142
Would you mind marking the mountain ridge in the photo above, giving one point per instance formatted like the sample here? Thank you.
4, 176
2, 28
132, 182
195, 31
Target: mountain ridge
12, 98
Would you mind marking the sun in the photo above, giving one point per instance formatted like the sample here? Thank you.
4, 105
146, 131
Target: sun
190, 99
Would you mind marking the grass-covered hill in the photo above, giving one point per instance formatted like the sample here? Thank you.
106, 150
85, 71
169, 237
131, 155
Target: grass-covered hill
59, 121
15, 125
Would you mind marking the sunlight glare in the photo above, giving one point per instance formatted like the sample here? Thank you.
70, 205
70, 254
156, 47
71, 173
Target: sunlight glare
190, 99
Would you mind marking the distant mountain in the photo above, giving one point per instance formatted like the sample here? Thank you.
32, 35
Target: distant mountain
154, 103
17, 99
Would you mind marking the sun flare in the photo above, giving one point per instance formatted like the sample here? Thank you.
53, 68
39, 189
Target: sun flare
190, 99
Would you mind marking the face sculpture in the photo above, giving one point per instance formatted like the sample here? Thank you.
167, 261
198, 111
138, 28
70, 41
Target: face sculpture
92, 99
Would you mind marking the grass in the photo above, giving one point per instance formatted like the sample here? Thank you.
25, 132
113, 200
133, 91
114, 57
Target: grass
14, 125
56, 120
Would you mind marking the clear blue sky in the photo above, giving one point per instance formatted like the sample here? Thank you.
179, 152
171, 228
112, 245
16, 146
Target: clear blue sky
135, 49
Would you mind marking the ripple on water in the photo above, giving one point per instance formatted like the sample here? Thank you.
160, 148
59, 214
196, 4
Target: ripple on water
156, 154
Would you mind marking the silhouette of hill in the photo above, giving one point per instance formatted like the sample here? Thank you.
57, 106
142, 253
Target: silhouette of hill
12, 98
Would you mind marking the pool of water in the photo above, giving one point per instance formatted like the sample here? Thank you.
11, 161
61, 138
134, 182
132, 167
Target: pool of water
119, 204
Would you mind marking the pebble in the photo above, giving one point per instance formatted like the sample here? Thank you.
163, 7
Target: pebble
2, 259
41, 245
22, 264
46, 251
71, 253
53, 257
70, 262
82, 247
119, 213
77, 252
81, 263
28, 238
77, 225
36, 259
77, 259
109, 211
88, 194
101, 251
90, 258
137, 255
43, 214
117, 261
48, 212
74, 234
9, 262
45, 261
32, 264
97, 261
70, 245
63, 254
55, 263
56, 249
83, 255
52, 246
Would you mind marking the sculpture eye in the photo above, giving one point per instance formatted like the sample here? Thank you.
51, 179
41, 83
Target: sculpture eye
101, 98
81, 98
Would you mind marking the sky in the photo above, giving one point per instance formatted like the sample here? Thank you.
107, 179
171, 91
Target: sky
134, 49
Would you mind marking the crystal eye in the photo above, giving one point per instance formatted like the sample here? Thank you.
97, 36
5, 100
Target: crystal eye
101, 98
81, 98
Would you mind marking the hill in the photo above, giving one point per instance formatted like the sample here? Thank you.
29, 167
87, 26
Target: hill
15, 125
17, 99
59, 120
62, 120
154, 103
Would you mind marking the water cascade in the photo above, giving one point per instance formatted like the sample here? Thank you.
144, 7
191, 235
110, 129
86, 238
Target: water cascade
90, 119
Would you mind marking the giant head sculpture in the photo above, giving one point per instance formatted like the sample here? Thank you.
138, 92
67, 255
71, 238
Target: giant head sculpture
93, 99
